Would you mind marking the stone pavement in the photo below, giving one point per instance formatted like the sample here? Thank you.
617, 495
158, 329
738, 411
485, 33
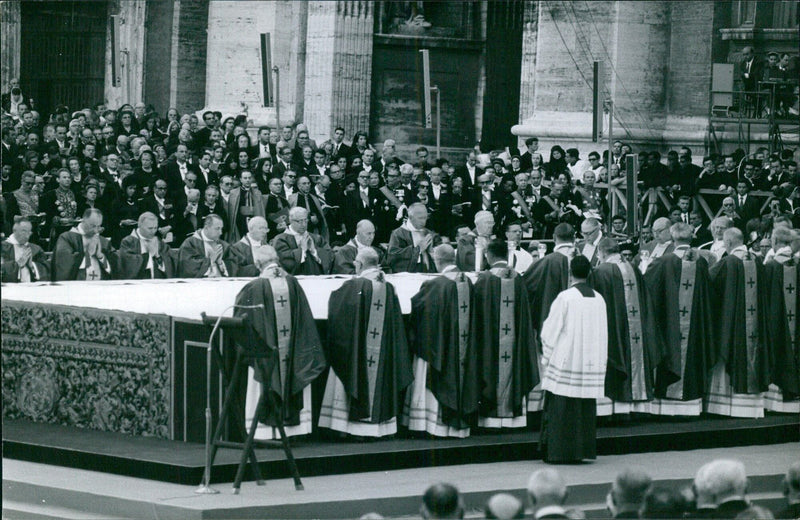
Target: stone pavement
66, 492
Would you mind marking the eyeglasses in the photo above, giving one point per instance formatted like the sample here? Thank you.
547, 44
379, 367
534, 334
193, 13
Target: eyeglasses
363, 176
299, 220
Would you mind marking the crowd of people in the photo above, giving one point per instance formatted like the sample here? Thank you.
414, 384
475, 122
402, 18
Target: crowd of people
120, 165
719, 490
122, 194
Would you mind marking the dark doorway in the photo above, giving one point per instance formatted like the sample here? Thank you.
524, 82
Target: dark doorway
503, 69
63, 53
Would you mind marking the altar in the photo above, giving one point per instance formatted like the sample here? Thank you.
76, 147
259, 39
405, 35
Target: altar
127, 356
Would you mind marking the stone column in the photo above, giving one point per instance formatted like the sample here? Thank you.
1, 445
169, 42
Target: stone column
633, 36
527, 82
233, 72
338, 74
131, 15
10, 34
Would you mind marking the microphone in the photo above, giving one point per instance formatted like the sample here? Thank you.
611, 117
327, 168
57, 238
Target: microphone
205, 486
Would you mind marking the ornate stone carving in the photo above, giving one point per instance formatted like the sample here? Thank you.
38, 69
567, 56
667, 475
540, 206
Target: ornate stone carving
104, 370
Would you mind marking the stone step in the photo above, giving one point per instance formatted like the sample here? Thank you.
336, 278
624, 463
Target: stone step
14, 510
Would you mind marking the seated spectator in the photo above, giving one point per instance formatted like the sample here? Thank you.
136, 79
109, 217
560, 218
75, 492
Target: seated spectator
661, 502
81, 253
143, 255
627, 493
441, 501
722, 484
791, 490
504, 507
301, 252
547, 492
23, 261
256, 237
204, 254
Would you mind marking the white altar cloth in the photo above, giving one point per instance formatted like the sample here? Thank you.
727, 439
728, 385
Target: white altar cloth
187, 298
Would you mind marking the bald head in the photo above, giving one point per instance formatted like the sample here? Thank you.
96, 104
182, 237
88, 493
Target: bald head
722, 479
366, 259
443, 256
365, 232
264, 256
733, 238
546, 488
504, 506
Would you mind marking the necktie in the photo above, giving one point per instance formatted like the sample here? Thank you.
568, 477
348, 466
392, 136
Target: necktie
364, 198
741, 201
487, 201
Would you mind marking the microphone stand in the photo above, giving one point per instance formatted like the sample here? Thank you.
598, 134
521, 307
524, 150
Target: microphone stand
205, 486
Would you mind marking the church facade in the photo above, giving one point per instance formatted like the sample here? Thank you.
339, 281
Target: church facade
356, 64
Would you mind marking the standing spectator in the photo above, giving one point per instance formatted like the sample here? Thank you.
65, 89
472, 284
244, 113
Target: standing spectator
574, 330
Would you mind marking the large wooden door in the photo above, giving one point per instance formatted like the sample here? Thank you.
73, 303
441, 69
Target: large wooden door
63, 53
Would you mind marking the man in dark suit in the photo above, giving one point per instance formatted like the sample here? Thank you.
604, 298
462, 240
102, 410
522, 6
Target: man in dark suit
339, 148
202, 136
284, 162
525, 160
747, 207
162, 206
701, 235
469, 171
751, 72
276, 208
360, 204
627, 493
547, 493
205, 176
175, 171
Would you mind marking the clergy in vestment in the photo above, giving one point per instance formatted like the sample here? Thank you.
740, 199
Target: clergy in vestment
283, 331
299, 251
204, 254
544, 280
257, 229
411, 244
592, 235
507, 363
82, 254
781, 273
574, 355
368, 353
633, 352
345, 257
741, 369
443, 336
23, 261
680, 294
471, 252
143, 255
659, 246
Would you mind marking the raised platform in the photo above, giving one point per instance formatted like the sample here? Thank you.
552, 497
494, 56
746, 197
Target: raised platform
182, 463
